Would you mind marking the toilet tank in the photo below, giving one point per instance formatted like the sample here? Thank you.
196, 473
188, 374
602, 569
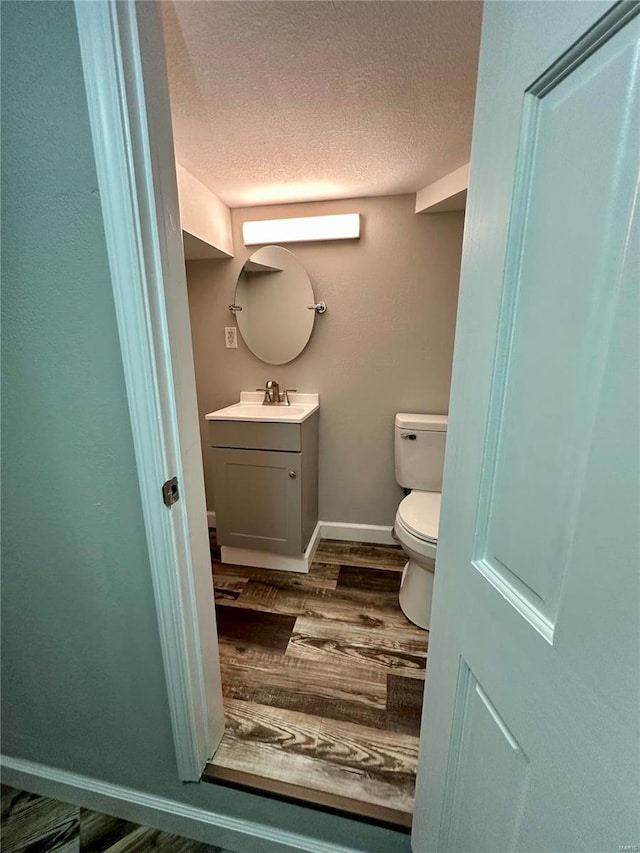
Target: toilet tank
419, 451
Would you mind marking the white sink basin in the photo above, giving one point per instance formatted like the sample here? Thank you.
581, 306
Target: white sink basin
250, 409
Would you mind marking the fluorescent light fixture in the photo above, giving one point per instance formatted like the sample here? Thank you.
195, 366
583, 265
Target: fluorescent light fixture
343, 226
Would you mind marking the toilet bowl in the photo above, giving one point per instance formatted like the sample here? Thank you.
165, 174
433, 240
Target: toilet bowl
416, 527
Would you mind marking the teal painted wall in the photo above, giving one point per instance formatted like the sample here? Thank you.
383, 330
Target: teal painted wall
82, 679
77, 595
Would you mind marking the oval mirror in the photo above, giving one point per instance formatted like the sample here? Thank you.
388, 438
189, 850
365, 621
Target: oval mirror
272, 300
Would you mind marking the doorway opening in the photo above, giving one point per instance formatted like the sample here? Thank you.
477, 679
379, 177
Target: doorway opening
322, 673
360, 665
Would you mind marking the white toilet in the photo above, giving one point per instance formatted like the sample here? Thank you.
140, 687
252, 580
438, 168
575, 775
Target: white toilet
419, 458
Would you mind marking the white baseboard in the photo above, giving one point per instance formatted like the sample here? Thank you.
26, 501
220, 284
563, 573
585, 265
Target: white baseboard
374, 534
167, 815
266, 560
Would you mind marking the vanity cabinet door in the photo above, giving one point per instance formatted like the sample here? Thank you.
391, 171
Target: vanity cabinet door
262, 506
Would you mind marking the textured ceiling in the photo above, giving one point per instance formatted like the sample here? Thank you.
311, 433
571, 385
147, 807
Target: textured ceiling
280, 101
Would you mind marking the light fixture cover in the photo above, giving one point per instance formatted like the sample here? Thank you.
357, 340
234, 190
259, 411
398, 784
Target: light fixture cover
343, 226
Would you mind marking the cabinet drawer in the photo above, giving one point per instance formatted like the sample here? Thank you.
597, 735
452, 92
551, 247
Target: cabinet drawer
255, 436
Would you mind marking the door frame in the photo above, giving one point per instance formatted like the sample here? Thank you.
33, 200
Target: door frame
137, 252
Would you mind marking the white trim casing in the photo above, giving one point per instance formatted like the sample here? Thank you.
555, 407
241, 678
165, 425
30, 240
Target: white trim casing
139, 245
373, 534
204, 825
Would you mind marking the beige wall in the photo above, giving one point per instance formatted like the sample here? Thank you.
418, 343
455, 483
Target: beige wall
384, 346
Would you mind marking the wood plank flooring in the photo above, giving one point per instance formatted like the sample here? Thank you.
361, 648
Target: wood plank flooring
322, 678
34, 824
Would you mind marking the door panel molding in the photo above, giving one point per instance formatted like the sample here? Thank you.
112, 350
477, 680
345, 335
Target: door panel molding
475, 777
547, 435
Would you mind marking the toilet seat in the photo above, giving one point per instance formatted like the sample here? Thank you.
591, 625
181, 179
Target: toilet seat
419, 514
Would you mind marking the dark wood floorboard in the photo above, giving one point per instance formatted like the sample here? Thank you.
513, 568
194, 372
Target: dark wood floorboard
322, 678
404, 704
37, 824
355, 607
390, 557
323, 575
99, 832
229, 588
34, 824
359, 696
254, 629
346, 652
344, 645
369, 579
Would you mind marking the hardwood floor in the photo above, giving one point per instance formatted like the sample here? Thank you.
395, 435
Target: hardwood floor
33, 824
322, 678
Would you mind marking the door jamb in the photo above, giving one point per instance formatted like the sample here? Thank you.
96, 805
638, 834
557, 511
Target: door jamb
113, 75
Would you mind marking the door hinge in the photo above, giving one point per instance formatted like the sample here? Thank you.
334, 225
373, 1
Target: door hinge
170, 494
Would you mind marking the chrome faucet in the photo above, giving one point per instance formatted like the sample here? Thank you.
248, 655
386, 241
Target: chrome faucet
273, 396
272, 391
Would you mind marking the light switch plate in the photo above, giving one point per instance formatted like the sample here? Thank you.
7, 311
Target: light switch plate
231, 337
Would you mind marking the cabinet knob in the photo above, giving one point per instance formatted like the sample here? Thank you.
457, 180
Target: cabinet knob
293, 475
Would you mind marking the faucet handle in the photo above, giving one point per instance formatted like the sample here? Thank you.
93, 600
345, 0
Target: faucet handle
267, 394
285, 395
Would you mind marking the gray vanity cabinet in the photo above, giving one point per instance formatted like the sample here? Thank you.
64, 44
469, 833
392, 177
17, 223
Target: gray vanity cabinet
266, 480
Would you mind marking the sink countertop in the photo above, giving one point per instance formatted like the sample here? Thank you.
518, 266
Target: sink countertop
250, 408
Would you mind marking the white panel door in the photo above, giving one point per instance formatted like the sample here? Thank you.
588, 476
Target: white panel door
531, 734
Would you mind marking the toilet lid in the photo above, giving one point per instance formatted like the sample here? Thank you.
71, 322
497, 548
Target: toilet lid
419, 512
